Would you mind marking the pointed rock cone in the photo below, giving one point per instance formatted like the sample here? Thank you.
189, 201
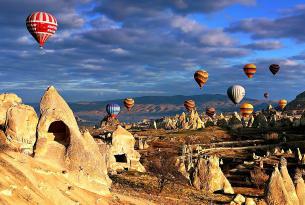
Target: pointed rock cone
276, 192
288, 182
300, 187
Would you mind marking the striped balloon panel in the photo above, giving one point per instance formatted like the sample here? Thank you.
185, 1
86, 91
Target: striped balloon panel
189, 105
236, 93
41, 25
274, 68
210, 112
113, 109
128, 103
201, 77
250, 72
246, 109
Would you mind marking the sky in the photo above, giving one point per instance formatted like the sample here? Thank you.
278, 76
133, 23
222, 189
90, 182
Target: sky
108, 49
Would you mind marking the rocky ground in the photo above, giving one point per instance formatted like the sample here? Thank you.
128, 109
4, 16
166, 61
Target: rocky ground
238, 163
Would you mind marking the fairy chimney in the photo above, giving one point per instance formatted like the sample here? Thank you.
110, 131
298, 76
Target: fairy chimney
288, 182
299, 186
276, 191
61, 144
121, 154
209, 177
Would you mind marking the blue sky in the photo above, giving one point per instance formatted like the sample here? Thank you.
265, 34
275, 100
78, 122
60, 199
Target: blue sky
110, 49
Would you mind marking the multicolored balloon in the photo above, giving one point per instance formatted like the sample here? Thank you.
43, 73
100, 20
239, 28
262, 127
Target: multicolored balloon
113, 110
189, 105
236, 93
210, 111
246, 109
201, 77
129, 103
266, 95
282, 103
250, 70
42, 26
274, 68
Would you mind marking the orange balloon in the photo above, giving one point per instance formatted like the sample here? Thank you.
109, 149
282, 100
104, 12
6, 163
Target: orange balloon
201, 77
246, 109
129, 103
282, 103
250, 70
189, 105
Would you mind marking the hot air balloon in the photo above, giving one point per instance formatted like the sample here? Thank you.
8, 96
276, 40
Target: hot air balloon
250, 70
274, 68
266, 95
282, 103
246, 109
41, 25
129, 103
236, 93
113, 110
201, 77
189, 105
210, 111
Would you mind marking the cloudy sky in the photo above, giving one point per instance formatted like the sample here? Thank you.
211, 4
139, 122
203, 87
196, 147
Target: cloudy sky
107, 49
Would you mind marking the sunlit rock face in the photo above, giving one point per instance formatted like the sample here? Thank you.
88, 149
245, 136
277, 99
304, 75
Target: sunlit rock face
209, 177
60, 143
21, 126
121, 154
7, 100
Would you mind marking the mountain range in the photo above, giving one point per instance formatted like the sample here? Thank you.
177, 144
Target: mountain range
150, 107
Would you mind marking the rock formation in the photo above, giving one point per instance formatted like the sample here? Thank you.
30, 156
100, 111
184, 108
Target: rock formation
21, 126
299, 187
121, 154
289, 186
60, 143
7, 100
209, 177
276, 192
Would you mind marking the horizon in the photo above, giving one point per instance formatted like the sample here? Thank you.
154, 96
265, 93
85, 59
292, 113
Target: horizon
115, 49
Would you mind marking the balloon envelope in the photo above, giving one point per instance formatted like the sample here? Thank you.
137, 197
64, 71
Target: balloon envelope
250, 70
42, 26
129, 103
282, 103
266, 95
189, 105
113, 109
274, 68
246, 109
236, 93
201, 77
210, 111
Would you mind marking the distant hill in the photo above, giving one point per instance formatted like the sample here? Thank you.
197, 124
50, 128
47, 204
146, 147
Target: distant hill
159, 106
298, 103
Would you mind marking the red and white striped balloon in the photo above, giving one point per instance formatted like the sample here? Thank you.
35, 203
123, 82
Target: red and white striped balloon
41, 25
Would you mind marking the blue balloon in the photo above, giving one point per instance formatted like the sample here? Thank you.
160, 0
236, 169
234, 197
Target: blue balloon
113, 109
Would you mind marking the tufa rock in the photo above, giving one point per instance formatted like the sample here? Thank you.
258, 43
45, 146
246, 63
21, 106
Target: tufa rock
121, 154
300, 186
276, 192
7, 100
60, 143
209, 177
21, 126
289, 186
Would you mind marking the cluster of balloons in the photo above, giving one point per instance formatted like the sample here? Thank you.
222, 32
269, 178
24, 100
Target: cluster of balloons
236, 93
